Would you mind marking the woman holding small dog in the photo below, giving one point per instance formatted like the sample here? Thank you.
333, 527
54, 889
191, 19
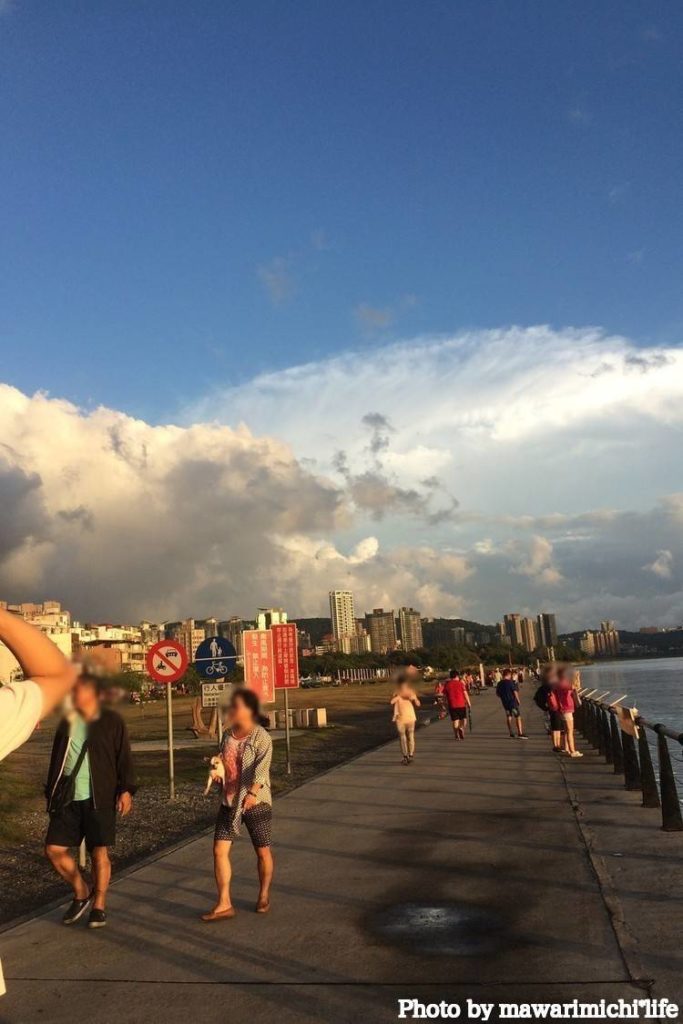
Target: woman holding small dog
246, 752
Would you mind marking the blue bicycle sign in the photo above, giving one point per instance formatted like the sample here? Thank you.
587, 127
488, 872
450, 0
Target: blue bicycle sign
215, 657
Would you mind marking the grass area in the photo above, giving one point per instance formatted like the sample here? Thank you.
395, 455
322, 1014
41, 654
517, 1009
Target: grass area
148, 721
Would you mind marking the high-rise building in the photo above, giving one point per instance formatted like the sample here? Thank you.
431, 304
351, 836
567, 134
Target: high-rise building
342, 614
513, 628
381, 627
547, 629
601, 643
232, 630
410, 626
186, 633
268, 617
529, 634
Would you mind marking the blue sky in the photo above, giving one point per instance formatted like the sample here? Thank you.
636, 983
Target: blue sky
194, 193
404, 275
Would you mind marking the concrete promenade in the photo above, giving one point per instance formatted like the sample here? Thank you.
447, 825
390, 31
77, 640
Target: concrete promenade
491, 869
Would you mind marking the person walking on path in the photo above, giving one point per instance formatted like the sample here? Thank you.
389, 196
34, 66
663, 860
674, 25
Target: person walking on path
507, 692
90, 778
404, 702
458, 700
564, 701
246, 752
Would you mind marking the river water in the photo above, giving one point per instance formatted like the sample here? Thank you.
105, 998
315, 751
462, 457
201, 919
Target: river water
654, 686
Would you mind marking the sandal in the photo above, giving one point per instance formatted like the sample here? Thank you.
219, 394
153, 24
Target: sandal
218, 915
263, 906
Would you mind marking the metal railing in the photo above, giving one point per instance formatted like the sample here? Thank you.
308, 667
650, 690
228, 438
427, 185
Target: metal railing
599, 721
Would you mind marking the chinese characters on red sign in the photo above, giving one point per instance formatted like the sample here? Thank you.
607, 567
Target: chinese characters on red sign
259, 672
286, 656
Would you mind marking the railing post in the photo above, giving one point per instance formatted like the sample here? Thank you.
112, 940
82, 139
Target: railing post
607, 737
617, 756
671, 808
649, 782
589, 724
631, 766
599, 731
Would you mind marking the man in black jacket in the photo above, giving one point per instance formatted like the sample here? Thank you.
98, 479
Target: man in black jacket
91, 749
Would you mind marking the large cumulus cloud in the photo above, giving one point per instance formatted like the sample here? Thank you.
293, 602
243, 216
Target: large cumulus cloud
497, 471
122, 520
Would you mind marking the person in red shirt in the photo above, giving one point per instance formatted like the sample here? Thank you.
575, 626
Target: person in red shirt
458, 700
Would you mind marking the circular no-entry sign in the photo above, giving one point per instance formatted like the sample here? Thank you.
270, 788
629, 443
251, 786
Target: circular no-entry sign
166, 661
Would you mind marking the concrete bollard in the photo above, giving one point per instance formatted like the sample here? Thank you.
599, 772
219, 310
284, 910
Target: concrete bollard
319, 718
272, 719
301, 718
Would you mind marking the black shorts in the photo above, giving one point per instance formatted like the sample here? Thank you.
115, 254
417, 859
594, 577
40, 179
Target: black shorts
557, 721
80, 820
258, 822
457, 714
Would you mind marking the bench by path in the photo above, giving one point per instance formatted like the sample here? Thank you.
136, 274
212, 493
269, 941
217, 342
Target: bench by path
469, 873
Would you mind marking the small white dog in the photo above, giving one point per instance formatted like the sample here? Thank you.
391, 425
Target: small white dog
216, 773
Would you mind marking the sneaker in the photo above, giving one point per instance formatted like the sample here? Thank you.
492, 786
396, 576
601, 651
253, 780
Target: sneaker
76, 910
577, 753
523, 736
97, 919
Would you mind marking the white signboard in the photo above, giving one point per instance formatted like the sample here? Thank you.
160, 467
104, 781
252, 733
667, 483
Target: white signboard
214, 694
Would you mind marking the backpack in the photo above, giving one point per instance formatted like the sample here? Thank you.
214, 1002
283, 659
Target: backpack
541, 697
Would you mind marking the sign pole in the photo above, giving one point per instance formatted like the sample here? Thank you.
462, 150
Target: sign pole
287, 739
169, 722
166, 662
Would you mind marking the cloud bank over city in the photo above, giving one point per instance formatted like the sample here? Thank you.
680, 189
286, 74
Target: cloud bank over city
517, 469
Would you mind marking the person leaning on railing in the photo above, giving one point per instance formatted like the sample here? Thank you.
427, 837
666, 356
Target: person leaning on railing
48, 677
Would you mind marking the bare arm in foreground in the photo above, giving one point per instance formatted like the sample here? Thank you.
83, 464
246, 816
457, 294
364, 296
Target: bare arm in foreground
39, 658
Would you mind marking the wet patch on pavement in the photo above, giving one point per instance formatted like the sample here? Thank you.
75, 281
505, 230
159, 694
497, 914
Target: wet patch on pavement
438, 929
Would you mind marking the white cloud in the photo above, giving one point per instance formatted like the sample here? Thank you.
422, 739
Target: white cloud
534, 558
662, 566
123, 520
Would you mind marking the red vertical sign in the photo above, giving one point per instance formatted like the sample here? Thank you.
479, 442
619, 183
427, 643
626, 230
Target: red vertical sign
286, 656
259, 675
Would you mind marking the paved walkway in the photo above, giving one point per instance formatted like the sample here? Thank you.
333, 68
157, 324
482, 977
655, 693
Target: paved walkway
469, 873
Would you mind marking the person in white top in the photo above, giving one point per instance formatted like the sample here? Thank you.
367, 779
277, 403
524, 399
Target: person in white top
48, 679
404, 702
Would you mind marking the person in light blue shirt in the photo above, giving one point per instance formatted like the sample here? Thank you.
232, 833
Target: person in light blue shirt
77, 736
